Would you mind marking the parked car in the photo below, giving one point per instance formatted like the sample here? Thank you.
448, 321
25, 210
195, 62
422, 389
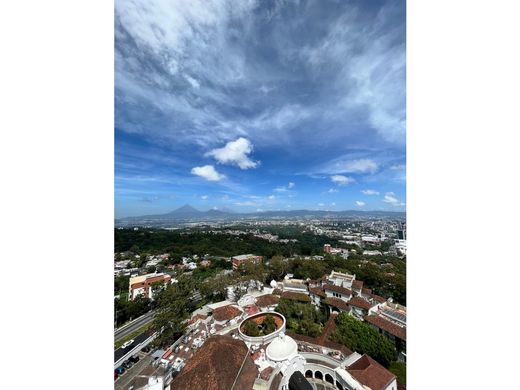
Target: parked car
134, 359
116, 375
128, 343
127, 364
120, 370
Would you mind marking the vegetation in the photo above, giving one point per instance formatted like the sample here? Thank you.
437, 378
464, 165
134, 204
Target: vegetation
399, 370
126, 310
302, 318
361, 337
174, 306
132, 335
268, 325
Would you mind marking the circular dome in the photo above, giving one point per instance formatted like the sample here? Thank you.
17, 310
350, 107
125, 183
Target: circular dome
281, 348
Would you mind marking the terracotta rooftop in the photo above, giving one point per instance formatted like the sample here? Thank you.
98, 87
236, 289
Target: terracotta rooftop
197, 317
370, 373
317, 291
357, 284
378, 298
389, 326
338, 289
267, 300
359, 302
225, 313
366, 291
294, 296
336, 302
216, 365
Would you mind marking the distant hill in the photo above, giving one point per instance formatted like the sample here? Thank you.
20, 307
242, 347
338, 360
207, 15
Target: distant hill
189, 213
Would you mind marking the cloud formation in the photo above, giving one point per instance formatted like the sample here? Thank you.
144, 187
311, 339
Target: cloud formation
207, 172
341, 180
360, 203
370, 192
235, 153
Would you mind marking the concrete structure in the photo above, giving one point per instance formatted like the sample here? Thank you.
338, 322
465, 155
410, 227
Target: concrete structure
142, 285
242, 259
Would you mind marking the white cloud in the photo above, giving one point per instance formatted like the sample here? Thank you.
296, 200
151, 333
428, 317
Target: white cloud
207, 172
333, 204
392, 200
204, 197
272, 197
359, 203
357, 166
341, 180
235, 153
332, 190
285, 188
321, 204
370, 192
225, 197
193, 82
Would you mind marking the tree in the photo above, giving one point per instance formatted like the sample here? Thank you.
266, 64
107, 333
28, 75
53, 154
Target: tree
269, 325
251, 329
362, 338
173, 308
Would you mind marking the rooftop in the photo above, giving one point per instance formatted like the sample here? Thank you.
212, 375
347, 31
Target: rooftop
294, 296
226, 313
337, 289
216, 365
387, 325
370, 373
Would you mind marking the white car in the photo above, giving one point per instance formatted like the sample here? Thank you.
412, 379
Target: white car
126, 344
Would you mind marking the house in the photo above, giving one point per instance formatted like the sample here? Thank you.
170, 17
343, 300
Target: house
341, 279
332, 290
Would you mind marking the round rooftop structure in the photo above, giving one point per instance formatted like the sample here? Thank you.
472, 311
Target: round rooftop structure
258, 319
281, 348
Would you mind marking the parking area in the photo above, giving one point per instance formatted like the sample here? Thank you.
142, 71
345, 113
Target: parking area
124, 381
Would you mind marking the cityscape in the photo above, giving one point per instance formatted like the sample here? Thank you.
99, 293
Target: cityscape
260, 230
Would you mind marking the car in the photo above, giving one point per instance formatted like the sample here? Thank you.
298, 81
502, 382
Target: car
134, 359
127, 343
116, 375
120, 370
128, 363
146, 349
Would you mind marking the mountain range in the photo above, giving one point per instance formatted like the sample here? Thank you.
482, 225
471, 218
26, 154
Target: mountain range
189, 213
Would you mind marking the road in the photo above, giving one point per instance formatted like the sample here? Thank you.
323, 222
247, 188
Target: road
120, 352
133, 326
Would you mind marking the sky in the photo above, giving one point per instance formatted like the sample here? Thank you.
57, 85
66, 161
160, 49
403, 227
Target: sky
259, 105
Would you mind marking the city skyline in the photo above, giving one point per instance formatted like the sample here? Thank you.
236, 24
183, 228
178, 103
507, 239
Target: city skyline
271, 106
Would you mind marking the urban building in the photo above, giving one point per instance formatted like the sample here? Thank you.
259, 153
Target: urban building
242, 259
144, 285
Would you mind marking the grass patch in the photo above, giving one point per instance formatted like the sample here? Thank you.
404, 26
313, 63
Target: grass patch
132, 335
399, 370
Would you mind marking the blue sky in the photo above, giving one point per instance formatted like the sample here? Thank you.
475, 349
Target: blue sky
259, 105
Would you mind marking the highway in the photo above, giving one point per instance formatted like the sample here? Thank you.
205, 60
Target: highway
120, 352
133, 326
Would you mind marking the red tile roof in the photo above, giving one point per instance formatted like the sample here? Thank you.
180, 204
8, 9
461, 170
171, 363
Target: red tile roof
317, 291
197, 317
294, 296
357, 284
267, 300
370, 373
386, 325
225, 313
216, 365
338, 289
336, 302
366, 291
378, 298
359, 302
